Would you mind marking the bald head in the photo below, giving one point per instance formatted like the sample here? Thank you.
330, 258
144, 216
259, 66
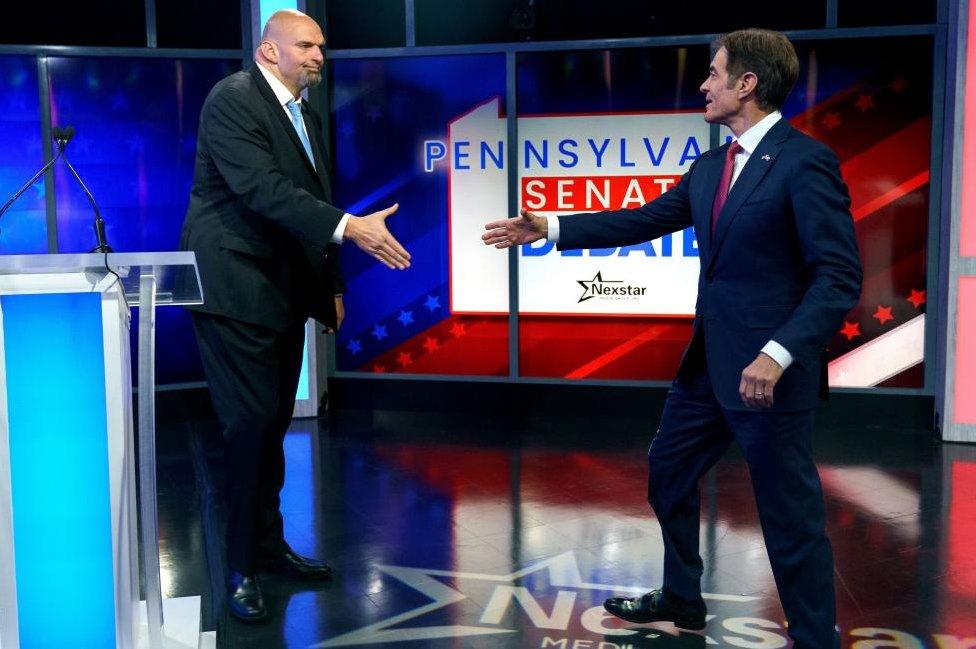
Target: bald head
291, 48
282, 21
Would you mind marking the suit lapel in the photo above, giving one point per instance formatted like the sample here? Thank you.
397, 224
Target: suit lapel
758, 164
279, 112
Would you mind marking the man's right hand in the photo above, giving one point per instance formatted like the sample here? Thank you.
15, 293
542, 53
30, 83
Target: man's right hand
515, 232
370, 234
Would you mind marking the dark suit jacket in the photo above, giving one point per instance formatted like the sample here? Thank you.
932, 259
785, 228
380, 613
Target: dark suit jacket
260, 218
783, 264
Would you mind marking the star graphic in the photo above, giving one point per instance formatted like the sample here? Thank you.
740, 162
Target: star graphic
898, 85
883, 314
563, 572
831, 121
433, 303
136, 143
404, 359
917, 298
379, 369
119, 101
587, 285
405, 318
32, 142
851, 330
354, 347
16, 103
431, 344
379, 332
457, 330
865, 103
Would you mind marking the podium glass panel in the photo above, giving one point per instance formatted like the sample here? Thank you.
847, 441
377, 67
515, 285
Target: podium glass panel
176, 277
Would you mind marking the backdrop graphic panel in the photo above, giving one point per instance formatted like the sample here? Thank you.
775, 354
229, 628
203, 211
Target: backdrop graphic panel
872, 109
621, 313
136, 122
23, 229
391, 124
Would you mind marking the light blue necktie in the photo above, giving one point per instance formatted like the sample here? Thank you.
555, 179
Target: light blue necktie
296, 120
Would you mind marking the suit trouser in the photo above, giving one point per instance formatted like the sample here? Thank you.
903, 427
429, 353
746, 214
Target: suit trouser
253, 373
695, 431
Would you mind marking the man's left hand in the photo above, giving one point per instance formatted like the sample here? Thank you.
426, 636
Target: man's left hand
758, 381
340, 315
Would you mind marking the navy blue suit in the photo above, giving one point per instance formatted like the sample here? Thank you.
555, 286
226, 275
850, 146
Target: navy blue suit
782, 265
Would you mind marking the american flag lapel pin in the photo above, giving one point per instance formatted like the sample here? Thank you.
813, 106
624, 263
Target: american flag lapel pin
766, 157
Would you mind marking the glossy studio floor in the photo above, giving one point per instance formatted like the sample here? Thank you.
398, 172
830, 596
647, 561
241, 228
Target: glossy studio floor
458, 523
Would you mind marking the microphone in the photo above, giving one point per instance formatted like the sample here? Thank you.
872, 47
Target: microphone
63, 135
61, 138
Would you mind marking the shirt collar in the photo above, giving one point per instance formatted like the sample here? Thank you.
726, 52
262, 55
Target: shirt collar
280, 90
751, 138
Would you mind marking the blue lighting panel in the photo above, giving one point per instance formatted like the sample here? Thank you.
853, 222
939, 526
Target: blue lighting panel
137, 125
268, 7
23, 229
55, 381
302, 391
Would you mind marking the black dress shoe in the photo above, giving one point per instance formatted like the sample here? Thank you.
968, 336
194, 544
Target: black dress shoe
244, 598
293, 565
657, 606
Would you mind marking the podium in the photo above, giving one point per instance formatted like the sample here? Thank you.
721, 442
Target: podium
69, 572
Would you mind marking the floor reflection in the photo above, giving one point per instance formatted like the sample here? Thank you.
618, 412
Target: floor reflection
441, 541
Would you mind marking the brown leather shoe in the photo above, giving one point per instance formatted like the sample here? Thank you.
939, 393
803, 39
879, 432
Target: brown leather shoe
658, 606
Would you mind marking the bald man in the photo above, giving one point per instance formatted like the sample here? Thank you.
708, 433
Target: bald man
265, 234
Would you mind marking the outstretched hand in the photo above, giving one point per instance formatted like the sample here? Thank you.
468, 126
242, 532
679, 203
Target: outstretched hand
516, 231
371, 235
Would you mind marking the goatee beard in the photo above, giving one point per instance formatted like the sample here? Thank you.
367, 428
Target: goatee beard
310, 79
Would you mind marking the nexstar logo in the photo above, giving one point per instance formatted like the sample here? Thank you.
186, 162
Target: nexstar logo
615, 289
550, 604
544, 601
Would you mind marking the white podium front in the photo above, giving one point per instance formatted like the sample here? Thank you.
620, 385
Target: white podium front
68, 548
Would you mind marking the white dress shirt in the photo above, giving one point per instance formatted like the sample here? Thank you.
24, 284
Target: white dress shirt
284, 96
748, 141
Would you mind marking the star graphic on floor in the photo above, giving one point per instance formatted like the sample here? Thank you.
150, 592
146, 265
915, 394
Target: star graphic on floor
379, 332
354, 347
457, 330
405, 317
431, 344
563, 573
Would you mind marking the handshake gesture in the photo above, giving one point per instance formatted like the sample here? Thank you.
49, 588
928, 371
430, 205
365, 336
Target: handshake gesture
517, 231
371, 235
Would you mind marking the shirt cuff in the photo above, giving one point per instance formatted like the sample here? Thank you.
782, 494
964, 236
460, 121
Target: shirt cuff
341, 228
553, 227
778, 353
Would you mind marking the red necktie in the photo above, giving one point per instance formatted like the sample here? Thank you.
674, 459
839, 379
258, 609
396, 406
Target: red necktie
722, 192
